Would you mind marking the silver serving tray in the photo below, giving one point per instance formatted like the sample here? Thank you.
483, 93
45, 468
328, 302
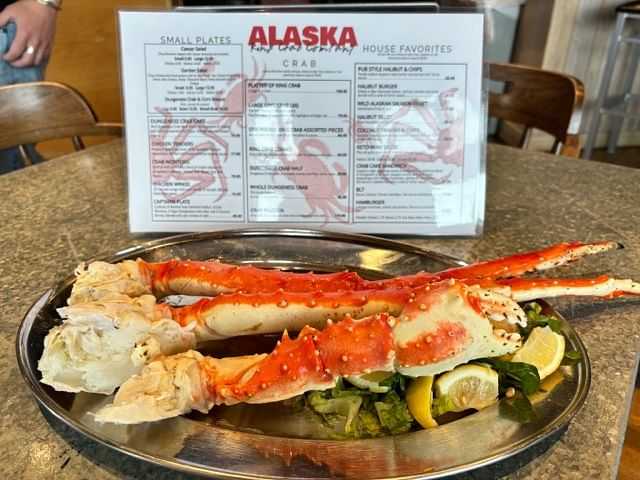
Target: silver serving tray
196, 444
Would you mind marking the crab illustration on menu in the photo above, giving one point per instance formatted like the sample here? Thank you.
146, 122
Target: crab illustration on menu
324, 120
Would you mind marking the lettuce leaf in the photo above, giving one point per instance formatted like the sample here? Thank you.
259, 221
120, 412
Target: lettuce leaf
535, 318
352, 412
346, 406
393, 413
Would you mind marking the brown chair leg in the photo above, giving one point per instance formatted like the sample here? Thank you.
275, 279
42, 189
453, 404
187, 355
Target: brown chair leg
24, 156
78, 143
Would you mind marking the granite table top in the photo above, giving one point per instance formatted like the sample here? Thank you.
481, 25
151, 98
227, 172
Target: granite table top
67, 210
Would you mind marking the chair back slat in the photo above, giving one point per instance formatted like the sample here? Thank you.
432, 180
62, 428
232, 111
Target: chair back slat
41, 111
534, 98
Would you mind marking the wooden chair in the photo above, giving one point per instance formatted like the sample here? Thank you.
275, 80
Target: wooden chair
535, 98
41, 111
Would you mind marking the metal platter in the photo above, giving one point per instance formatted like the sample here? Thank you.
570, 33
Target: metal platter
198, 444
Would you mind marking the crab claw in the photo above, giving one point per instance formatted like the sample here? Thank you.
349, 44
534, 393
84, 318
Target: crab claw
449, 324
500, 307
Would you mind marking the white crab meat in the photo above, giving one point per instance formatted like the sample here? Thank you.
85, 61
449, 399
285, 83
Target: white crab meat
101, 345
172, 386
101, 280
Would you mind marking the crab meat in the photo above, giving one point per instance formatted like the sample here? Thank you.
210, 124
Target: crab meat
106, 281
444, 327
100, 345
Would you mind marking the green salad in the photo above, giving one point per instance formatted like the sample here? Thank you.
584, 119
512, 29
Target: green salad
384, 403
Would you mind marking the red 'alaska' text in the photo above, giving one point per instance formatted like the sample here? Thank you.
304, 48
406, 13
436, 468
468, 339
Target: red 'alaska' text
308, 36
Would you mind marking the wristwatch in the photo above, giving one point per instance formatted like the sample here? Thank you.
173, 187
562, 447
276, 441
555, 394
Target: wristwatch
55, 4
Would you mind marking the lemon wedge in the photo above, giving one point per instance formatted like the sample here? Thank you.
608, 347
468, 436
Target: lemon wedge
419, 397
467, 386
544, 349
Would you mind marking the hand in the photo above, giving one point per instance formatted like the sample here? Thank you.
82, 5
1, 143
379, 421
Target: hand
35, 27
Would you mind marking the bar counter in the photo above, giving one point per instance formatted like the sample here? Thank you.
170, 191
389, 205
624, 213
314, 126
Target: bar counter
67, 210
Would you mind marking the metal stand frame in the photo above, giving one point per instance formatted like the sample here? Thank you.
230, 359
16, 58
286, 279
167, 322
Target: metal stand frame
618, 108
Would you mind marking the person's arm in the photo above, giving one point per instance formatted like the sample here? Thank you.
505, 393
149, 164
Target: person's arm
35, 27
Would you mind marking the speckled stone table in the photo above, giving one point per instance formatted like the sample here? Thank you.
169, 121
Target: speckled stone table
56, 214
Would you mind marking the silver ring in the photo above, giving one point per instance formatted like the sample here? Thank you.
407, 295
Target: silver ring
30, 50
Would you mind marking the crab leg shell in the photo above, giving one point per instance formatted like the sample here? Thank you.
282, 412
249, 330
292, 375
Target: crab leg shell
537, 260
212, 277
353, 346
134, 278
313, 361
527, 289
449, 324
243, 314
511, 266
229, 315
197, 278
292, 368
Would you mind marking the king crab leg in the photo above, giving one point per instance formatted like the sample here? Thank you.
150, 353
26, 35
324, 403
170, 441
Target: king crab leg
230, 315
113, 318
213, 277
510, 266
445, 326
236, 314
527, 289
188, 277
133, 332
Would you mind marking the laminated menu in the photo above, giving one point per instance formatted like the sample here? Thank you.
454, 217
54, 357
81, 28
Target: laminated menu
363, 122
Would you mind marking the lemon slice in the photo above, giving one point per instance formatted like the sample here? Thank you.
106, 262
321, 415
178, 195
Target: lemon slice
544, 349
419, 397
371, 381
467, 386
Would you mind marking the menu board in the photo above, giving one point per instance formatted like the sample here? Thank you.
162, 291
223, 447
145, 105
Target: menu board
361, 122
